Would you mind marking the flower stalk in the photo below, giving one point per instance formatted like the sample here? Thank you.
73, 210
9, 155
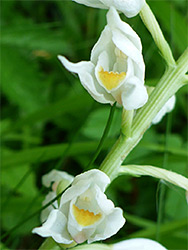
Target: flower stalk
152, 25
127, 119
172, 80
49, 243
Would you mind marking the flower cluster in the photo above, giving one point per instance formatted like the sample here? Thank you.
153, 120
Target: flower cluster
116, 70
84, 212
115, 73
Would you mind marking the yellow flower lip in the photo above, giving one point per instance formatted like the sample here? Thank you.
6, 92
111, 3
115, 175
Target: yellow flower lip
111, 79
84, 217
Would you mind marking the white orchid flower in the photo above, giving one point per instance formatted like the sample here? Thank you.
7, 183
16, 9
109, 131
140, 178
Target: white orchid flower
55, 178
84, 213
138, 244
168, 107
129, 7
116, 69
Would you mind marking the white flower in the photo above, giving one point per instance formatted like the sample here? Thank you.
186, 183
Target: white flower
129, 7
168, 107
56, 177
138, 244
116, 69
84, 213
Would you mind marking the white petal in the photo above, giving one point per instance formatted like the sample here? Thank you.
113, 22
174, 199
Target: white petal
126, 46
105, 205
130, 68
79, 67
121, 62
168, 107
138, 244
74, 191
95, 176
55, 227
56, 176
92, 3
85, 70
115, 23
104, 43
103, 61
79, 233
94, 200
135, 94
91, 84
129, 7
90, 201
45, 212
126, 40
113, 223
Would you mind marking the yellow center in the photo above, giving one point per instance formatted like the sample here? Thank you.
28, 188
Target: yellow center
84, 217
110, 79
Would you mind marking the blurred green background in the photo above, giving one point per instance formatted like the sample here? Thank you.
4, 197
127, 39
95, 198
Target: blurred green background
49, 121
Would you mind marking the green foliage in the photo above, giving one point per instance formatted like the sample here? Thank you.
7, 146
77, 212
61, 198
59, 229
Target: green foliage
47, 116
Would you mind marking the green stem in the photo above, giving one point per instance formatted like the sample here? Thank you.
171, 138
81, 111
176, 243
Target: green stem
152, 25
167, 86
105, 134
49, 244
95, 246
162, 190
126, 125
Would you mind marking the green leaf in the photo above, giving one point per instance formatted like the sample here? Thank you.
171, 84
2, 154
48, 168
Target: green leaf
20, 80
16, 203
43, 39
70, 104
94, 126
45, 153
160, 173
175, 201
165, 229
11, 178
11, 217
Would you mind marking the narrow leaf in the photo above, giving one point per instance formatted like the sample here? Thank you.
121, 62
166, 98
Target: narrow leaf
160, 173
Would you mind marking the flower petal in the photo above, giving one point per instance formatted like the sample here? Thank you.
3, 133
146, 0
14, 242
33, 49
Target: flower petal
104, 43
104, 204
126, 46
127, 41
95, 176
55, 227
85, 70
115, 23
168, 107
134, 95
77, 231
138, 244
56, 176
74, 191
130, 8
112, 224
92, 3
106, 78
45, 212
